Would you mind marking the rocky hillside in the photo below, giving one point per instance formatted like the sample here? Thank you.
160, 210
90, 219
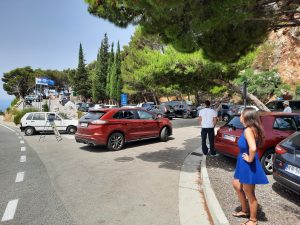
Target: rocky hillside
282, 52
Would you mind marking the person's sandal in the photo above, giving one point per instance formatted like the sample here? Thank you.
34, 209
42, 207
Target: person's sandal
241, 214
253, 221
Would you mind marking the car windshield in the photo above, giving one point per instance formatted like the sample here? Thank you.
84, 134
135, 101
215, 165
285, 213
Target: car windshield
90, 116
235, 122
293, 142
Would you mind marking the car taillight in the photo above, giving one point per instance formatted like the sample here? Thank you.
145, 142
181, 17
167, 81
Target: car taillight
279, 150
99, 122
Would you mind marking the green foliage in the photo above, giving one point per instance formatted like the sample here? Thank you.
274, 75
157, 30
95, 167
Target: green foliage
297, 91
20, 114
81, 84
115, 76
1, 113
19, 82
14, 102
100, 76
225, 30
218, 90
45, 107
263, 85
111, 64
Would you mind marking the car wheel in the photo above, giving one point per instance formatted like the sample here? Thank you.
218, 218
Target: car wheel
29, 131
71, 130
225, 118
164, 133
267, 161
170, 118
185, 115
115, 142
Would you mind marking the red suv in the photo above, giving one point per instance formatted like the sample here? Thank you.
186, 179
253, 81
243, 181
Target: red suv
116, 126
277, 126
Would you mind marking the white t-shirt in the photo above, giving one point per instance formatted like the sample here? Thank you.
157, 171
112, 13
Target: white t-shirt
287, 110
207, 115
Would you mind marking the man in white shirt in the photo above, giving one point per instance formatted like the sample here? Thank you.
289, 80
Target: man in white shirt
208, 121
287, 107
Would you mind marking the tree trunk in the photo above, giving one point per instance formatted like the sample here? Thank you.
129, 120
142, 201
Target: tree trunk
237, 89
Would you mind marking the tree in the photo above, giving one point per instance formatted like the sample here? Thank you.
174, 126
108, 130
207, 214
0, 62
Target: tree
111, 63
99, 84
116, 81
19, 82
81, 84
225, 30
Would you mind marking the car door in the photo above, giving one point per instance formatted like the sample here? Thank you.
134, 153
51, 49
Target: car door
150, 126
38, 121
128, 122
283, 127
58, 122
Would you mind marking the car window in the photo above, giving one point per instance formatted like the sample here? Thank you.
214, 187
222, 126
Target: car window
38, 116
293, 142
295, 105
29, 117
90, 116
285, 123
57, 117
125, 114
271, 105
225, 107
144, 115
235, 122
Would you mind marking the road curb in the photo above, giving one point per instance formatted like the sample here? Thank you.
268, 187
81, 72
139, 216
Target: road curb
192, 208
212, 202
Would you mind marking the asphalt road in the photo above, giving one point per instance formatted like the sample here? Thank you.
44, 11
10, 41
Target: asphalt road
29, 197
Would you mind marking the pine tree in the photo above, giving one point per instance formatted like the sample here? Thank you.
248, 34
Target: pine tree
81, 84
99, 85
110, 69
118, 73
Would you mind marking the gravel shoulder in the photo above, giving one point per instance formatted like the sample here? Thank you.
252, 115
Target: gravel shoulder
277, 205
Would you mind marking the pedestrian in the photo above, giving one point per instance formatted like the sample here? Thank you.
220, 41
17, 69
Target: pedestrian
248, 171
208, 121
287, 107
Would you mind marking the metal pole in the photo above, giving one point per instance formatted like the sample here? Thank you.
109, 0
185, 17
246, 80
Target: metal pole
245, 93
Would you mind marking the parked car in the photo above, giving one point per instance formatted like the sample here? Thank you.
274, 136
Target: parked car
130, 106
165, 111
185, 111
33, 98
277, 105
287, 163
34, 122
241, 108
115, 126
84, 107
110, 106
146, 105
228, 110
277, 126
96, 106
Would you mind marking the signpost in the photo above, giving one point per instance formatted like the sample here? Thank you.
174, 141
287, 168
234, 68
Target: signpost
124, 99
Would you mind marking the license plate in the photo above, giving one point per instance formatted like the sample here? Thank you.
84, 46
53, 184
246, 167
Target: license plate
229, 137
84, 124
292, 169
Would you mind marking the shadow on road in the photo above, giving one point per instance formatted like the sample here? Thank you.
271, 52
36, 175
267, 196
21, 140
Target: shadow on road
288, 195
171, 157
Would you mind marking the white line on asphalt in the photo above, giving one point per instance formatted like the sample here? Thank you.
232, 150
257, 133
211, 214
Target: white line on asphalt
20, 177
23, 158
22, 142
7, 127
10, 210
23, 149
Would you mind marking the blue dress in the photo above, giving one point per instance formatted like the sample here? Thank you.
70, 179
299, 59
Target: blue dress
249, 173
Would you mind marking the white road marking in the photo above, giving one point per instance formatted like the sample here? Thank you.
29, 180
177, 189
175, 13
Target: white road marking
22, 142
71, 137
19, 137
10, 210
7, 127
23, 158
20, 177
23, 149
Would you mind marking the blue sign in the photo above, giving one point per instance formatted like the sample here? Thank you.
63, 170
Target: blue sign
44, 81
124, 99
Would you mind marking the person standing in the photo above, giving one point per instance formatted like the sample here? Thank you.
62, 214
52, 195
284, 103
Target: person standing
287, 107
208, 121
249, 171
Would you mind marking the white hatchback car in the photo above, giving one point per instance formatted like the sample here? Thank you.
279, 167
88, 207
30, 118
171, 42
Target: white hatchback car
38, 122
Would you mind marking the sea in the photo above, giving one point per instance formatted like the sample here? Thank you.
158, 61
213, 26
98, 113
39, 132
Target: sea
4, 103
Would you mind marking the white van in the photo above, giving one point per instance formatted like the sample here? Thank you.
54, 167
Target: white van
38, 122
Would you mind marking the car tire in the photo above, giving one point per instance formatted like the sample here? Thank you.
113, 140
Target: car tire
164, 134
115, 141
226, 118
29, 131
185, 115
71, 129
267, 161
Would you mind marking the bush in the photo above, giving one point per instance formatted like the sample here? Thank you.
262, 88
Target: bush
45, 107
21, 113
1, 113
14, 102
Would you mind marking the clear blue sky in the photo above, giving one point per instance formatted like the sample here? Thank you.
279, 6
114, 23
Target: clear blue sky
46, 34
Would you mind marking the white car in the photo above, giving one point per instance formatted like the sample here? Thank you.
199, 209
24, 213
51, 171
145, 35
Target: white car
38, 122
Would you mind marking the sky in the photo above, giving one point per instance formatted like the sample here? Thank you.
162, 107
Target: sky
46, 34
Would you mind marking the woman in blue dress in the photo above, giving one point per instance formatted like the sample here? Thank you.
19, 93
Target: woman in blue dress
249, 171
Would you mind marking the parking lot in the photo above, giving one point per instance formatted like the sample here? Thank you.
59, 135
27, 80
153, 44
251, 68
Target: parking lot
277, 205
